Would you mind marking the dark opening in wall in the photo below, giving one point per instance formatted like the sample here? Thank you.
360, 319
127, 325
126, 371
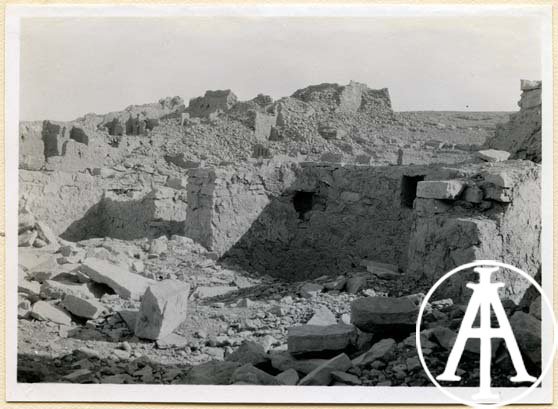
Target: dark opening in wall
303, 202
409, 189
78, 135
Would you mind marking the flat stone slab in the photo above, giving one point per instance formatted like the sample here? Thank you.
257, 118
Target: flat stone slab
371, 312
440, 189
163, 308
127, 285
90, 309
208, 292
283, 361
380, 350
315, 338
493, 155
322, 375
172, 341
44, 311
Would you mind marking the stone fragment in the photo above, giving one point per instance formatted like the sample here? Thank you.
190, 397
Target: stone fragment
57, 290
125, 284
337, 285
445, 337
322, 316
172, 341
249, 352
501, 179
159, 246
43, 311
315, 338
209, 292
288, 377
440, 189
355, 284
27, 238
493, 155
26, 221
413, 363
321, 376
369, 313
309, 290
23, 307
46, 233
130, 317
81, 307
163, 308
527, 331
496, 193
250, 375
31, 288
346, 378
381, 350
245, 303
212, 373
79, 375
283, 360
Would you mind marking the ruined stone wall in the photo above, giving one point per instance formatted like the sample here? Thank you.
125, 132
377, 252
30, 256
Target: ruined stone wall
521, 135
103, 204
300, 221
212, 102
494, 214
31, 146
138, 214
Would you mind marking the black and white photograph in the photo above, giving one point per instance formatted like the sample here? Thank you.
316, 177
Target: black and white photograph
254, 204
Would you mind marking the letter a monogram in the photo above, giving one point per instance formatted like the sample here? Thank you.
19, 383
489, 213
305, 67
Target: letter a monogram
485, 296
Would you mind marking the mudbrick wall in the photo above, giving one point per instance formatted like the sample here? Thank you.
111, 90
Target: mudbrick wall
305, 220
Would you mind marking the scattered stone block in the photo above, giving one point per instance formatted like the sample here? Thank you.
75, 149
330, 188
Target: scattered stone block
355, 284
322, 317
209, 292
440, 189
79, 375
321, 376
369, 313
283, 361
172, 341
493, 155
381, 350
27, 238
159, 246
31, 288
163, 308
43, 311
288, 377
315, 338
249, 352
445, 337
58, 290
345, 378
46, 233
212, 373
125, 284
81, 307
23, 307
309, 290
250, 375
130, 317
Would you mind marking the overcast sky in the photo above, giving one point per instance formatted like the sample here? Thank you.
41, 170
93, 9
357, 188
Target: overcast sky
73, 66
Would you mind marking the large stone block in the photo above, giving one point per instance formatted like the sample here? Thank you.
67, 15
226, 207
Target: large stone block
315, 338
44, 311
322, 374
440, 189
163, 308
372, 312
126, 284
90, 309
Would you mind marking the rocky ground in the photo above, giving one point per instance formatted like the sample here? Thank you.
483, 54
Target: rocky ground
75, 325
